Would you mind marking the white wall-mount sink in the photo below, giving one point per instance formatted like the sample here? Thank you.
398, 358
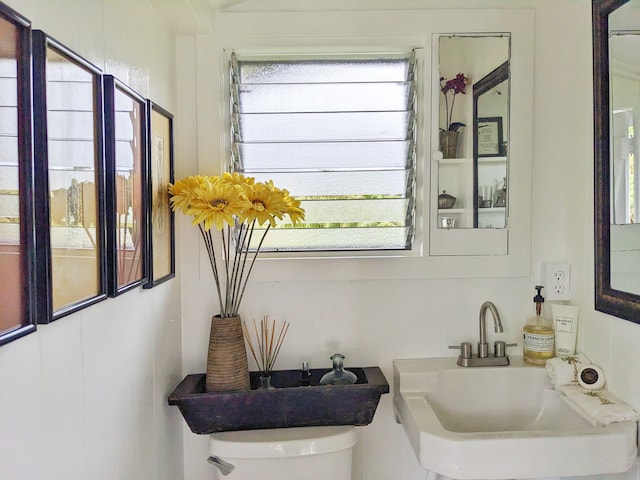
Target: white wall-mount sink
500, 423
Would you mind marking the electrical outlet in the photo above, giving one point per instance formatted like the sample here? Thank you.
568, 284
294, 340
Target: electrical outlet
557, 278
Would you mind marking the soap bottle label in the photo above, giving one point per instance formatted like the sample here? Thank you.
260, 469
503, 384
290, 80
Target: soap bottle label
537, 342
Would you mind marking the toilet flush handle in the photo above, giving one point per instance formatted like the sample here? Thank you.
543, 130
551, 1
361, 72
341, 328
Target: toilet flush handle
225, 467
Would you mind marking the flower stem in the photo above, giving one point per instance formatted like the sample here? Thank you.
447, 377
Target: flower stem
208, 242
453, 102
246, 243
253, 261
447, 117
239, 234
226, 245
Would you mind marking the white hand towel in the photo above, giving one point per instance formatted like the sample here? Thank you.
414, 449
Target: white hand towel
564, 370
599, 407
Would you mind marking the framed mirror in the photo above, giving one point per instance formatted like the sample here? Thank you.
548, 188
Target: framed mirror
474, 130
616, 81
69, 179
17, 248
490, 145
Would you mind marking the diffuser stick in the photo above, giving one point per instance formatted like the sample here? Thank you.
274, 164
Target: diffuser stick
269, 341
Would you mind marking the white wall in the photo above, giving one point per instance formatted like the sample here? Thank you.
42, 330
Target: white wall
374, 321
85, 397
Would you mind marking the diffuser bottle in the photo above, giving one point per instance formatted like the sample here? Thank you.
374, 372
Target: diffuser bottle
538, 344
338, 375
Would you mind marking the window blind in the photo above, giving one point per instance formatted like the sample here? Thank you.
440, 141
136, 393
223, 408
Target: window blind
338, 132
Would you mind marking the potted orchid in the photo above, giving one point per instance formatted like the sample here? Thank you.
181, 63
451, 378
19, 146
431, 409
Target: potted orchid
449, 135
235, 205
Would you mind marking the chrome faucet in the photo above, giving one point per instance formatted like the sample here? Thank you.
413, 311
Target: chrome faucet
483, 348
484, 358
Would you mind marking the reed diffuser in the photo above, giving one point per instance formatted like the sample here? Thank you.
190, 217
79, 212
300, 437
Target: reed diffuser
268, 339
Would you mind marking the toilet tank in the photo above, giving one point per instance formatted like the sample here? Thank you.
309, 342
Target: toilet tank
305, 453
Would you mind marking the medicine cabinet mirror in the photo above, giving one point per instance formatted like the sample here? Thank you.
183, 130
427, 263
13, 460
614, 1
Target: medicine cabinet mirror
616, 36
474, 131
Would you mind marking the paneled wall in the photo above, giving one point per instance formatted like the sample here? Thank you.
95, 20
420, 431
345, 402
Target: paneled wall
374, 321
85, 396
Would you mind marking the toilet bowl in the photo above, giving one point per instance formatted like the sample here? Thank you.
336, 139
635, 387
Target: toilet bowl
307, 453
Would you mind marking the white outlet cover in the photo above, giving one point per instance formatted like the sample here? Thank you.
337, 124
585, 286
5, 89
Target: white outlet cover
556, 280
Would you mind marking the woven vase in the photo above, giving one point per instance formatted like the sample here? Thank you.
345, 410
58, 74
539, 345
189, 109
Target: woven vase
227, 366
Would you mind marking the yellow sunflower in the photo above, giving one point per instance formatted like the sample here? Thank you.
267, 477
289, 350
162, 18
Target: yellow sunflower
216, 202
267, 203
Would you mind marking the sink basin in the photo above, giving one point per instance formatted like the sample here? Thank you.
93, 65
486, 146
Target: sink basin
500, 423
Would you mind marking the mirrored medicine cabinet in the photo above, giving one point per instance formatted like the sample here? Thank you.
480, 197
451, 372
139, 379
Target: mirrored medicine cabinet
616, 35
474, 110
482, 90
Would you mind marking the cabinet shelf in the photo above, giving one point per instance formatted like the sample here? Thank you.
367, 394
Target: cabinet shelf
482, 160
491, 210
453, 210
454, 161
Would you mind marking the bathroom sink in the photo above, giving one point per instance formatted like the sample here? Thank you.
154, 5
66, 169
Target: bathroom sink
501, 422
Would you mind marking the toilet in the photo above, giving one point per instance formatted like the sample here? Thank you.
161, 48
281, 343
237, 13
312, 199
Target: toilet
305, 453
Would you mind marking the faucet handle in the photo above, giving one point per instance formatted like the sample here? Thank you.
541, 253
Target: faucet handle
465, 349
499, 347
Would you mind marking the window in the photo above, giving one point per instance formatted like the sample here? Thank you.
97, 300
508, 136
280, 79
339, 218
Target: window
338, 132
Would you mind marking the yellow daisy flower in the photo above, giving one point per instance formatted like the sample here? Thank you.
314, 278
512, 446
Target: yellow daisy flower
296, 214
216, 203
237, 179
267, 203
182, 192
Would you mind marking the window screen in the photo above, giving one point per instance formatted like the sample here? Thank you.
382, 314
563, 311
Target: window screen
338, 132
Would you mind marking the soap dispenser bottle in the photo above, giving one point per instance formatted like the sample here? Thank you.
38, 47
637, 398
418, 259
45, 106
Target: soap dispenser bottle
539, 338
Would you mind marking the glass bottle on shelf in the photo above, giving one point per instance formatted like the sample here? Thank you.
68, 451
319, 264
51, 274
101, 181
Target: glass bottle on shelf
501, 195
338, 375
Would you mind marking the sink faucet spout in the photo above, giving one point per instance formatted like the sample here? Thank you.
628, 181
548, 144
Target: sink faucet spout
483, 350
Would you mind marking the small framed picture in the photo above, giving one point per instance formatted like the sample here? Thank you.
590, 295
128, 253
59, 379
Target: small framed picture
161, 237
126, 174
489, 137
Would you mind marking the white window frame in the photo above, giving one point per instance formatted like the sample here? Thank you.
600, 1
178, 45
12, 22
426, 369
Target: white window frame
417, 241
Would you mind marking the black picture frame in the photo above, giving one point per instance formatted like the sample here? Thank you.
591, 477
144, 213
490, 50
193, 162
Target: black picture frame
161, 227
490, 137
126, 151
69, 180
17, 257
